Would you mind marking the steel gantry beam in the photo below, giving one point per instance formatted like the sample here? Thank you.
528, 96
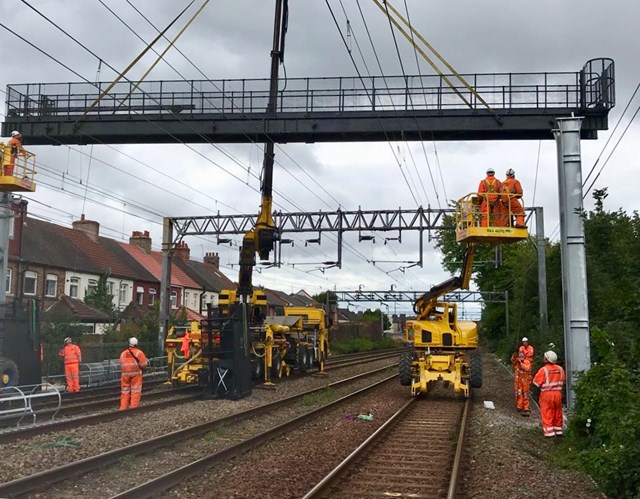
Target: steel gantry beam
412, 296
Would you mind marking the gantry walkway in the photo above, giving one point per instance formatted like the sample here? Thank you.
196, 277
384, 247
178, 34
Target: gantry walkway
522, 106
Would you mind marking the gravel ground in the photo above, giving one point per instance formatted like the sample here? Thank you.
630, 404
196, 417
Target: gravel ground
505, 452
27, 456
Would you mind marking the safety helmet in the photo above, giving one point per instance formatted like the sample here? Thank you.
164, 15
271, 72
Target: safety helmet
551, 356
133, 342
525, 339
67, 340
511, 172
491, 171
15, 133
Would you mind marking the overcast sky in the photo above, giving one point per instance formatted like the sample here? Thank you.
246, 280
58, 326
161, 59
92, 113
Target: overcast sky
232, 39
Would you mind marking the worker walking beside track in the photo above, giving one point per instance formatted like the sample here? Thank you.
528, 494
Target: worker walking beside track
521, 381
132, 362
550, 379
526, 348
490, 206
512, 190
72, 357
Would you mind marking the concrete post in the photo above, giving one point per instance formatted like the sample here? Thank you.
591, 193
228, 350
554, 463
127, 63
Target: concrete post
574, 265
5, 221
165, 282
543, 308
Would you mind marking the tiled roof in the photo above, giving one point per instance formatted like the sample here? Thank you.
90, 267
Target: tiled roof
277, 297
208, 276
153, 263
80, 310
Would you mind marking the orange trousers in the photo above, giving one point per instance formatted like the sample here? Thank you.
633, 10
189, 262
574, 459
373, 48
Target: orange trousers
522, 387
7, 169
72, 374
551, 412
130, 390
516, 210
493, 216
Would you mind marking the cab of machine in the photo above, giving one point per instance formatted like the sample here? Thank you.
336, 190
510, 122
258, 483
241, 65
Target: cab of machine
442, 329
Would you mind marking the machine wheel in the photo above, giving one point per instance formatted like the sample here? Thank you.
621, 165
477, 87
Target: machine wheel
303, 358
257, 368
309, 362
404, 368
8, 373
475, 376
276, 362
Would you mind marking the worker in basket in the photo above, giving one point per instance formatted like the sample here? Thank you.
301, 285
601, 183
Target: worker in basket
491, 207
11, 151
512, 190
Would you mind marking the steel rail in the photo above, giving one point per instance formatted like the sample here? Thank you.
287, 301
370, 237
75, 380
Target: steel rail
173, 478
45, 479
337, 475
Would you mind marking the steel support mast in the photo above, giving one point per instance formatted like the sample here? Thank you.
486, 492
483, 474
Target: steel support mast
574, 265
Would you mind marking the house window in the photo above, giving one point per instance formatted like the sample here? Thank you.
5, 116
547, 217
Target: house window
110, 288
51, 286
74, 285
122, 296
8, 289
30, 283
174, 299
93, 287
139, 295
152, 297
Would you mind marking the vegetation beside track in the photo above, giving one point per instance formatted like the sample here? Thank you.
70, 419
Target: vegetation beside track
354, 345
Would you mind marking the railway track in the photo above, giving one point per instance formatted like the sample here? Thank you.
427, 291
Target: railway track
33, 483
416, 453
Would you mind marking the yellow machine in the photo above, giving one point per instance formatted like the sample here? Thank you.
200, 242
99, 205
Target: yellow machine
184, 353
444, 348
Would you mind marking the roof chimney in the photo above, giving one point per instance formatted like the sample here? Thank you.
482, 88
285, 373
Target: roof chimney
90, 227
182, 251
212, 259
141, 239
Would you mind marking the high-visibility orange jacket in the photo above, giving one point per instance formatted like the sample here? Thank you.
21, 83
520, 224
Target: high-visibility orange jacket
528, 351
184, 346
550, 378
512, 186
489, 186
521, 381
132, 360
71, 354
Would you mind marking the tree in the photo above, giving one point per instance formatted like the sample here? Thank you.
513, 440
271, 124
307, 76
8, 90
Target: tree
100, 297
322, 297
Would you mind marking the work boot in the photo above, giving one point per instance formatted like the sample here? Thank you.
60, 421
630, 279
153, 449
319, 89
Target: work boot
525, 413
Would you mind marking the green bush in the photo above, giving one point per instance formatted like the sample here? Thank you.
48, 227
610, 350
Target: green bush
354, 345
604, 431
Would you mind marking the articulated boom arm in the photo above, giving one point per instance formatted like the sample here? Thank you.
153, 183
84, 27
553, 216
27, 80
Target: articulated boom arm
423, 305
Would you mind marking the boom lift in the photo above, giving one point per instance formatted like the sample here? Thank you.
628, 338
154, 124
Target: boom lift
444, 348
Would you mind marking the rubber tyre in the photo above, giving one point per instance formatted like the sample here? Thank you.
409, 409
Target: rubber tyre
8, 373
257, 368
309, 362
303, 358
404, 368
475, 368
275, 365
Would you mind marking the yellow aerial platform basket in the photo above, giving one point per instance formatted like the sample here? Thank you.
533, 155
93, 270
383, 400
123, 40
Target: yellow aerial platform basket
493, 225
17, 172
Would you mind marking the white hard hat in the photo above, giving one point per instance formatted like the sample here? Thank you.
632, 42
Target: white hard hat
490, 171
133, 341
510, 172
551, 356
68, 339
14, 133
525, 339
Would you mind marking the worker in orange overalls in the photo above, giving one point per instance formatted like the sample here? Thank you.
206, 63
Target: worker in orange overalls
185, 345
521, 381
490, 205
132, 362
513, 192
550, 379
526, 349
72, 357
11, 151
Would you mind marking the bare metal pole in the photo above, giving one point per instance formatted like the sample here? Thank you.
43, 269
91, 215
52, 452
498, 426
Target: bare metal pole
574, 266
543, 308
165, 283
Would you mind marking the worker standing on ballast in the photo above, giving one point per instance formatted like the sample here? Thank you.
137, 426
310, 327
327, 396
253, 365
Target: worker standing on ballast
512, 190
521, 381
526, 348
132, 362
550, 378
72, 357
490, 206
